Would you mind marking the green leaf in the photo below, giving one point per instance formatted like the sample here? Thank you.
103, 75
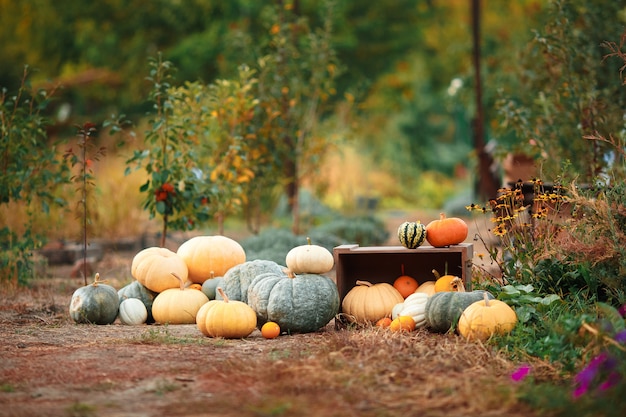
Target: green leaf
525, 313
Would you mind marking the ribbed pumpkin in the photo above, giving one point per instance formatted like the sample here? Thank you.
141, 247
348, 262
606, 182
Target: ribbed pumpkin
446, 231
412, 234
153, 267
482, 319
298, 303
137, 290
96, 303
178, 305
208, 256
132, 312
238, 278
443, 309
226, 318
366, 303
427, 287
309, 259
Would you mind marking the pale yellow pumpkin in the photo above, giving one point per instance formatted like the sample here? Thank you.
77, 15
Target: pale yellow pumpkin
153, 268
309, 259
482, 319
367, 303
427, 287
178, 305
210, 256
226, 318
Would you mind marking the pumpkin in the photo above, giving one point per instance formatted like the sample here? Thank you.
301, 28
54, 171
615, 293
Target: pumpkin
309, 259
446, 231
209, 287
238, 278
384, 322
448, 283
270, 330
136, 289
297, 303
402, 324
178, 305
153, 267
96, 303
443, 309
208, 256
405, 284
230, 319
413, 306
367, 303
427, 287
411, 234
132, 312
483, 319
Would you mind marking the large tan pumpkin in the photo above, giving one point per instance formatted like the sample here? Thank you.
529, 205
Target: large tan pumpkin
153, 268
210, 256
178, 305
366, 303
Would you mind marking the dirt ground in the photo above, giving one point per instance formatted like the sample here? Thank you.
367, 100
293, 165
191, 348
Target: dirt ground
50, 366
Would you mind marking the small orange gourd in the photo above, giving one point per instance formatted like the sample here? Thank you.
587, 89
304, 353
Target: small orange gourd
405, 284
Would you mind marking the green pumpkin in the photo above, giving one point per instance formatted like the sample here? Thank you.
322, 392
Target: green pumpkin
209, 287
443, 309
238, 278
298, 303
137, 290
96, 303
412, 234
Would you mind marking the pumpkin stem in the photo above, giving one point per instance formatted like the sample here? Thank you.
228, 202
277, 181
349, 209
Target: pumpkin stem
366, 283
223, 294
436, 274
182, 283
486, 298
442, 216
97, 280
290, 273
308, 239
457, 284
402, 269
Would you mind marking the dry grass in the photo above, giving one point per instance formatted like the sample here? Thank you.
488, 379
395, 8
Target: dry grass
335, 372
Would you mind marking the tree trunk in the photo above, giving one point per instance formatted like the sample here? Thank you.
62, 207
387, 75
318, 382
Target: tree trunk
487, 183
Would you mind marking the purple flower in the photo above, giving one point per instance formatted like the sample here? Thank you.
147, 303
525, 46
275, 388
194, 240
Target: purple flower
621, 337
612, 379
622, 310
586, 376
520, 373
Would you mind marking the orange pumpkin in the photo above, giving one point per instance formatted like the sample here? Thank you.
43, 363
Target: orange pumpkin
270, 330
448, 283
446, 231
384, 322
405, 284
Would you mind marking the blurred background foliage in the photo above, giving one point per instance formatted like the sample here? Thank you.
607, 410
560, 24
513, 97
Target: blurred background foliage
400, 119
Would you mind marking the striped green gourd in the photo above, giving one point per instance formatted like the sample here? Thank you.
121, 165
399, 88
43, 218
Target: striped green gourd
412, 234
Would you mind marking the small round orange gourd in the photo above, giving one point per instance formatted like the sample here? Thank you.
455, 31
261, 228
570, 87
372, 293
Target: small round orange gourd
446, 231
270, 330
405, 284
448, 283
483, 319
402, 324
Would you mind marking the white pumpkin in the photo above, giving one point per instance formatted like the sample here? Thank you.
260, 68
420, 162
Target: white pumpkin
414, 306
309, 259
132, 312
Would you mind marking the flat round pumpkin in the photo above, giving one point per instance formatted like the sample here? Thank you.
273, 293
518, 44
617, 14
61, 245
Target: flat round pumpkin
178, 305
210, 256
366, 303
297, 303
96, 303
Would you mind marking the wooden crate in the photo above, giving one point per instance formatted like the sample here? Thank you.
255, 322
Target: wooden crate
384, 264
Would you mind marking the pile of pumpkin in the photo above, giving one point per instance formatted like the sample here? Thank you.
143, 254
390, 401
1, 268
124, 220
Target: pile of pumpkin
208, 282
440, 305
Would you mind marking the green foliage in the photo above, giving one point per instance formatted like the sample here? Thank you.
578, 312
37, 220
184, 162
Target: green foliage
29, 176
565, 90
